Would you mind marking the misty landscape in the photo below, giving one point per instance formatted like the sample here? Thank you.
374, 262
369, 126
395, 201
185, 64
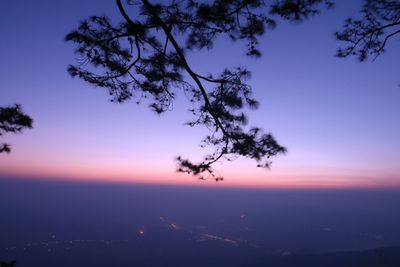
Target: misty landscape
72, 224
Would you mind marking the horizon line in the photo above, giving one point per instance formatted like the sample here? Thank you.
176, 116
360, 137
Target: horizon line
194, 183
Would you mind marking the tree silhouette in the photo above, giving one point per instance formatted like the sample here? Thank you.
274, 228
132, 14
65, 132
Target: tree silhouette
145, 57
12, 120
369, 35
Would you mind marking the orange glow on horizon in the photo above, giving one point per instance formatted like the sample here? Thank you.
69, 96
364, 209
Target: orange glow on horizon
283, 180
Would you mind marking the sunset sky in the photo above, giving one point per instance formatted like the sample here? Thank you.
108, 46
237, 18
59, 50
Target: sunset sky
338, 118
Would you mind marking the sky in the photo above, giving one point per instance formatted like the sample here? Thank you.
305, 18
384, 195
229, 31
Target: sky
338, 118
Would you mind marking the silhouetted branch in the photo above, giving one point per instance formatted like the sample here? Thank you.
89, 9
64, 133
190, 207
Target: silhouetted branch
160, 63
369, 35
12, 120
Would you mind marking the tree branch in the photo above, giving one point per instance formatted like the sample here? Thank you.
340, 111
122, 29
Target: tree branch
380, 49
192, 74
123, 13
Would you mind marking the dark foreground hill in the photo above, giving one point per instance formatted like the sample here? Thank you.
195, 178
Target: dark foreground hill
117, 255
381, 257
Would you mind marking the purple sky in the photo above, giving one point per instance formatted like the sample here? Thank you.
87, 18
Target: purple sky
337, 117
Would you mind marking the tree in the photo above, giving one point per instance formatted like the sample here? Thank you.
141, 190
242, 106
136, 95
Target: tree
12, 120
369, 36
145, 58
